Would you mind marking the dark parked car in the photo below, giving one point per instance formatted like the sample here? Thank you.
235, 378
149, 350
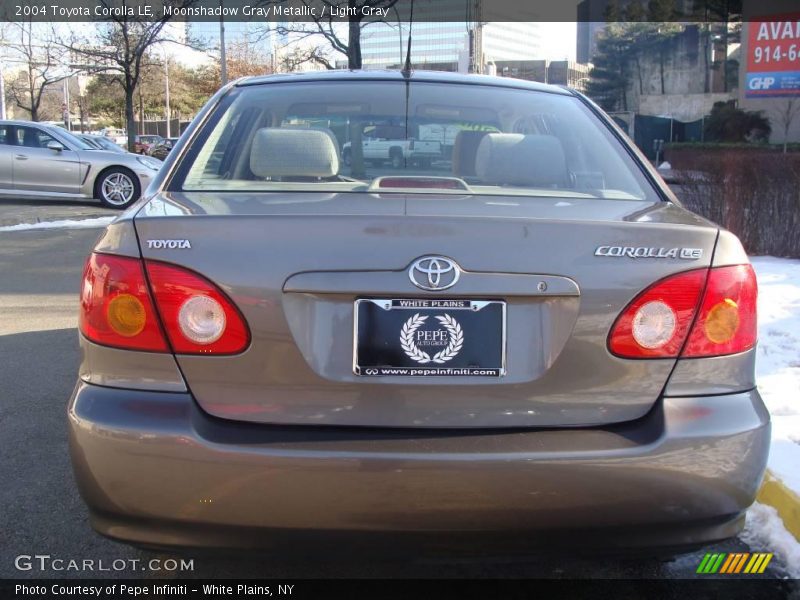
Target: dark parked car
530, 337
162, 149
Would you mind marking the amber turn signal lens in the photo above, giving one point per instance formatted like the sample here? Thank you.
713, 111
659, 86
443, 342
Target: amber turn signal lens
126, 315
722, 321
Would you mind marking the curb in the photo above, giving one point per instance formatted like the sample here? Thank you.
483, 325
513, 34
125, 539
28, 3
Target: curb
774, 493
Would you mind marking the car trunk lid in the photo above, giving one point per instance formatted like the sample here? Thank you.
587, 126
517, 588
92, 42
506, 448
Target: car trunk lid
297, 264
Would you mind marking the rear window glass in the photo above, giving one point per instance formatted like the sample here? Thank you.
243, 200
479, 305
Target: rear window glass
387, 136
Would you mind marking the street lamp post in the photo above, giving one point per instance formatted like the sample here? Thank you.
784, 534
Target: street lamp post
67, 119
223, 68
166, 93
2, 93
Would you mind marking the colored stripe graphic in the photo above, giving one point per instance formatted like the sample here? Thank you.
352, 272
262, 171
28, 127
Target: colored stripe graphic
740, 564
765, 563
720, 563
735, 562
728, 563
758, 563
711, 563
702, 566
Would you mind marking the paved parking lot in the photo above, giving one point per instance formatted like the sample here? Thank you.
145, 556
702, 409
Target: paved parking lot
41, 510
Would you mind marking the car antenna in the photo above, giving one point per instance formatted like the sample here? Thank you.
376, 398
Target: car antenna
407, 66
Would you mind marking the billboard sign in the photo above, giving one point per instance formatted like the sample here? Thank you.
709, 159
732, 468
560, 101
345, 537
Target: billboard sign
773, 56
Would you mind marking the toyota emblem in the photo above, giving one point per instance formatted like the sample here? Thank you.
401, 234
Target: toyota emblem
434, 273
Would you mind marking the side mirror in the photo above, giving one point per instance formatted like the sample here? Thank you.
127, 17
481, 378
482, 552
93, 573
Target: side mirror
55, 146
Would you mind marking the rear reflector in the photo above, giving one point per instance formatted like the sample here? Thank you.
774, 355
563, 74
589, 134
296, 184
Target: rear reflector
116, 309
670, 316
198, 317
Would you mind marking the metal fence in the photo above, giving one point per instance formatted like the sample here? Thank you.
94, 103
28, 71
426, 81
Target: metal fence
159, 127
651, 133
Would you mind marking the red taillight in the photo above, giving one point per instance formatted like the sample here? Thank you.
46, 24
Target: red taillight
198, 317
657, 323
116, 309
726, 323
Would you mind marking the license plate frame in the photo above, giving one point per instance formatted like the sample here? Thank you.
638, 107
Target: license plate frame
409, 343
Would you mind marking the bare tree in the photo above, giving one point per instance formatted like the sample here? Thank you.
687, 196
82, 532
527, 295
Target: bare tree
784, 115
293, 59
42, 61
245, 58
326, 26
120, 47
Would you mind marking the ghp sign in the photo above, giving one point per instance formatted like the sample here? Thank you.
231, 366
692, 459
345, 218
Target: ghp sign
773, 56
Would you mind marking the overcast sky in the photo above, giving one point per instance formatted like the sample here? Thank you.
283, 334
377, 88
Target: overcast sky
558, 40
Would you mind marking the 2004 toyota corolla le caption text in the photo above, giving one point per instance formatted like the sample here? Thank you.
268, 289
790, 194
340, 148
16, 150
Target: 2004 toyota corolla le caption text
521, 332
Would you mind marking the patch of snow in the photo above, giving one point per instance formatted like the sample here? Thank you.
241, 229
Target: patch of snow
764, 532
63, 224
664, 166
778, 361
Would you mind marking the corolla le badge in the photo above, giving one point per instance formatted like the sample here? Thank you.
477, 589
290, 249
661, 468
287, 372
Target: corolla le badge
434, 273
645, 252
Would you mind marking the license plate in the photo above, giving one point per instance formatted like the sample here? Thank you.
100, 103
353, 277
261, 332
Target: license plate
429, 338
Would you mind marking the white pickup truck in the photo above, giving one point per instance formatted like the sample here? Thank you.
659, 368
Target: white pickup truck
397, 152
118, 136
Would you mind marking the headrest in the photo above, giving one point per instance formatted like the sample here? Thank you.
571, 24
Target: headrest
517, 159
294, 152
465, 147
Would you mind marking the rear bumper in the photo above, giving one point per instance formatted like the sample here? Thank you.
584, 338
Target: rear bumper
155, 469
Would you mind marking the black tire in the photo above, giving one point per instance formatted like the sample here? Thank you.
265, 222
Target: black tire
396, 157
117, 187
347, 157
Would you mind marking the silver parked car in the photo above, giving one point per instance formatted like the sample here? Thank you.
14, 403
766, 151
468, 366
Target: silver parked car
528, 336
100, 142
47, 162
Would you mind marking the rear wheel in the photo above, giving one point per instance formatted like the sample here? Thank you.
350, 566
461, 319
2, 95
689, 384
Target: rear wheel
347, 157
117, 187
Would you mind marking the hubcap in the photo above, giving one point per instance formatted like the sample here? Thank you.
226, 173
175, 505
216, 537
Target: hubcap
117, 189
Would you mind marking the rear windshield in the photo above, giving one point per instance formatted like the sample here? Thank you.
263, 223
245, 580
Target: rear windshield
390, 136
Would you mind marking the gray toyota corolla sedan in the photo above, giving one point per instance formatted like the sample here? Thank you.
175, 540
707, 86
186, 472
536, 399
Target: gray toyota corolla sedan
527, 335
